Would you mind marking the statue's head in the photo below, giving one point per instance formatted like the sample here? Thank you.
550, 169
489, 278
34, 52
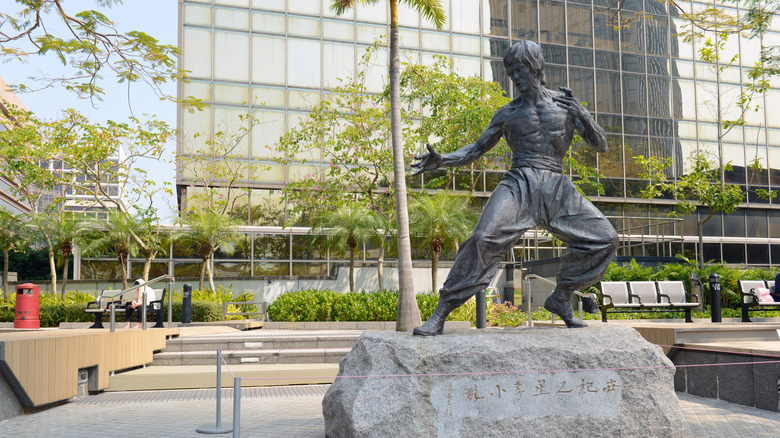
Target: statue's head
528, 53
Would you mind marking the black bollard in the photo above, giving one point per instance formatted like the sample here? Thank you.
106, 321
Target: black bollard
715, 298
509, 286
186, 305
481, 310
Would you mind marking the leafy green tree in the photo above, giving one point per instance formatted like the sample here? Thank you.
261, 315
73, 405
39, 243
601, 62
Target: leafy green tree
208, 231
408, 313
702, 186
350, 131
216, 166
455, 111
97, 171
12, 238
347, 227
441, 220
88, 43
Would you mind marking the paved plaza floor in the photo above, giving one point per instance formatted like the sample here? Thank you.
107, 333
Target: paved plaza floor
291, 412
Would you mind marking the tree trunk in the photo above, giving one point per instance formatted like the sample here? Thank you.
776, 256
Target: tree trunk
147, 267
701, 248
53, 269
700, 226
434, 269
211, 275
123, 262
352, 269
202, 273
65, 256
5, 274
380, 274
408, 312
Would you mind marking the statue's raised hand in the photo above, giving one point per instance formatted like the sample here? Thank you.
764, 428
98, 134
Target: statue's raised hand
431, 160
572, 105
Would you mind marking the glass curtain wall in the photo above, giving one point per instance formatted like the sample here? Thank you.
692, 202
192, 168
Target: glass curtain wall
274, 59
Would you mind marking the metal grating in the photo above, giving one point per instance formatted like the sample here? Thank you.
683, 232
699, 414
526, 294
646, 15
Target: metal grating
117, 398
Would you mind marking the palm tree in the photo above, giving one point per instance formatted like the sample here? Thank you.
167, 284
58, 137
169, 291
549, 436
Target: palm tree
408, 312
69, 231
208, 231
347, 227
117, 234
12, 236
441, 220
155, 240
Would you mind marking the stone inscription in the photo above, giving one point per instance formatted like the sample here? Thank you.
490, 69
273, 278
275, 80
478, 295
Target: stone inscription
528, 395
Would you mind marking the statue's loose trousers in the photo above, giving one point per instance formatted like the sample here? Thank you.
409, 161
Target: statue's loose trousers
528, 197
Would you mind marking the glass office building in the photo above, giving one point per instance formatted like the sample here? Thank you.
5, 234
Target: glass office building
274, 59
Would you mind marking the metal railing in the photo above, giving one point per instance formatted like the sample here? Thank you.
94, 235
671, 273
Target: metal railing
112, 308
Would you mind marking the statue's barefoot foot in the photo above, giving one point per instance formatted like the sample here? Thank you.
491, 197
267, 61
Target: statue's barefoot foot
562, 308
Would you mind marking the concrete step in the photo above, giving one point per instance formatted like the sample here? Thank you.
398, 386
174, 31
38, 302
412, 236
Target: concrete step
258, 356
267, 342
205, 376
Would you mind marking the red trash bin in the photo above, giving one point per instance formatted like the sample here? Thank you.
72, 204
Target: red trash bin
28, 297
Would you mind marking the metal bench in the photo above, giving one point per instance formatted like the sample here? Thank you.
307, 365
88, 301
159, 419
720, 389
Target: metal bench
645, 296
104, 303
749, 298
107, 302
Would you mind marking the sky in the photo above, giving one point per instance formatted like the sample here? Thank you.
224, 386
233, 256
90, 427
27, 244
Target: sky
157, 18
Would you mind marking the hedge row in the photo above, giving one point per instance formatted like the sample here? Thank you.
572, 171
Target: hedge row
324, 305
51, 315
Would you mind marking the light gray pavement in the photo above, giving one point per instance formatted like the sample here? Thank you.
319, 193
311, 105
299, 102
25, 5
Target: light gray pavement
291, 412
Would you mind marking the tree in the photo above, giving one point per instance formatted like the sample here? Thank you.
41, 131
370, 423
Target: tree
89, 163
69, 230
12, 238
117, 235
408, 313
22, 159
216, 166
441, 220
349, 226
89, 43
455, 111
208, 231
350, 131
701, 186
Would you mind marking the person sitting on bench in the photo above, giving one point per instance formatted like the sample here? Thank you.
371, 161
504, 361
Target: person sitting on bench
131, 306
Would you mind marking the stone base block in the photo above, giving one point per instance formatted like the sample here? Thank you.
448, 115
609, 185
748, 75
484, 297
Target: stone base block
605, 380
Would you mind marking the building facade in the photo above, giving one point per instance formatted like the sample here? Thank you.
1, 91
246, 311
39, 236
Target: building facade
275, 59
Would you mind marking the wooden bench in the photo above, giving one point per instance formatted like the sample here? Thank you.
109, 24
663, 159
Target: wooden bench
106, 301
750, 301
646, 296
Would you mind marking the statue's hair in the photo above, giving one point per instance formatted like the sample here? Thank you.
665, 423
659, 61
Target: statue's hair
530, 54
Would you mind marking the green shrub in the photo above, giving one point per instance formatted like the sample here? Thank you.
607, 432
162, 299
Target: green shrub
201, 311
325, 305
7, 313
51, 315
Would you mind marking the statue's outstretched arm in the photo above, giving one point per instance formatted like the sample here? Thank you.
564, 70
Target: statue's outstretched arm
583, 121
432, 160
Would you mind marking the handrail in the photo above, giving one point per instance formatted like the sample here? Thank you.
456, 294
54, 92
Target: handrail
171, 282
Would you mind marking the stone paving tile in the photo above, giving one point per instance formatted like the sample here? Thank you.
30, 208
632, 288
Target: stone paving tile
301, 417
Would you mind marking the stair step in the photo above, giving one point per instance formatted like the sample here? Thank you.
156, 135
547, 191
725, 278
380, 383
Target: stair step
204, 376
260, 356
260, 342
